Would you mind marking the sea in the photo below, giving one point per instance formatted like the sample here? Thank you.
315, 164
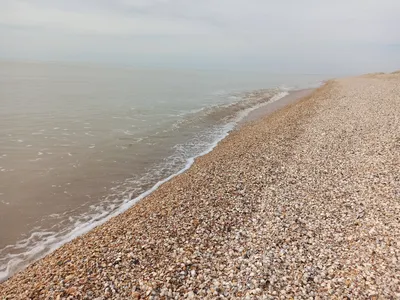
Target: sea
82, 143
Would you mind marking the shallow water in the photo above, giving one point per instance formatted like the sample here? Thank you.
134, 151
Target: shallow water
78, 142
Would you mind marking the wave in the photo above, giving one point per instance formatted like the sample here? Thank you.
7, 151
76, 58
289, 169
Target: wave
212, 124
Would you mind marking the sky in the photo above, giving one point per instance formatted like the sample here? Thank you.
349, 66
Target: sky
309, 36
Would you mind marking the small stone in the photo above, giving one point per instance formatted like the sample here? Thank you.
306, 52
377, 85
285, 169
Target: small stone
72, 291
135, 295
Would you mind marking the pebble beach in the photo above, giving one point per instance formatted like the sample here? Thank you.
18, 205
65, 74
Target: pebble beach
302, 203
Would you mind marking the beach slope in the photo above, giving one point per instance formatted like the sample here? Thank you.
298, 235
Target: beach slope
304, 202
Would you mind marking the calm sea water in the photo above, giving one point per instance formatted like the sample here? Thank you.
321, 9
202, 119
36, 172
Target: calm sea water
80, 143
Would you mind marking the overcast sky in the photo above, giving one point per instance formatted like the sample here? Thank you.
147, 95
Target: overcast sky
280, 35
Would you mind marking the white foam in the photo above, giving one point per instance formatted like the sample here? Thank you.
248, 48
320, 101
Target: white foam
50, 243
33, 160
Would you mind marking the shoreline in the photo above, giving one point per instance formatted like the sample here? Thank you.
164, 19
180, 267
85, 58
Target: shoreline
252, 115
266, 213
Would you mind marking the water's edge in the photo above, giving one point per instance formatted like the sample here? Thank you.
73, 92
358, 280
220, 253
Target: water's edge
254, 113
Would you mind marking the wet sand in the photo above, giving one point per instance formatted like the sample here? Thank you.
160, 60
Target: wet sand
301, 203
265, 110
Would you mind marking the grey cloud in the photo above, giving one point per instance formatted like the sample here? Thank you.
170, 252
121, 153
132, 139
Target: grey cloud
252, 32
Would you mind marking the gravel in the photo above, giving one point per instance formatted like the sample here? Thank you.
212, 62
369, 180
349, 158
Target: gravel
302, 204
